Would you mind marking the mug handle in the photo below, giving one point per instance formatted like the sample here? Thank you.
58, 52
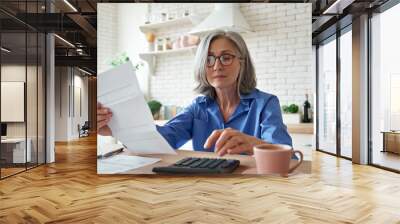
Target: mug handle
299, 162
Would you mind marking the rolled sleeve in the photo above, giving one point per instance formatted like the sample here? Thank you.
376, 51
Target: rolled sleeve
273, 130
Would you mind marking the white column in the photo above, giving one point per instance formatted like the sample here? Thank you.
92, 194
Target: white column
50, 100
360, 90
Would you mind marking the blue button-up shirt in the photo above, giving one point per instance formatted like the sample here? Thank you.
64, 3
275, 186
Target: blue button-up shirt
258, 114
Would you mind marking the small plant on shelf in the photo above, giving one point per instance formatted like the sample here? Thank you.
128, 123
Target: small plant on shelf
291, 109
290, 114
155, 107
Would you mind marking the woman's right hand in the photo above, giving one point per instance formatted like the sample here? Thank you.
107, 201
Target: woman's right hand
103, 117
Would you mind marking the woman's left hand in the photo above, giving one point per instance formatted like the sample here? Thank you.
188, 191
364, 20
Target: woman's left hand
231, 141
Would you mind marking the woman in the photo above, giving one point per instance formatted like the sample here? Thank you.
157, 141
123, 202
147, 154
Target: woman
232, 116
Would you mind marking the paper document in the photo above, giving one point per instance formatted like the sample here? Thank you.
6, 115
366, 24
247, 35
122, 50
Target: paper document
122, 163
132, 122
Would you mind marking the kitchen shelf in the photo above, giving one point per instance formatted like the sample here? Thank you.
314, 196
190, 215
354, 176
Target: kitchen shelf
152, 27
205, 31
172, 51
151, 57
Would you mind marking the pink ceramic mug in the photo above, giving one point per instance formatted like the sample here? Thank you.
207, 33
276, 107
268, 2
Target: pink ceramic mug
275, 159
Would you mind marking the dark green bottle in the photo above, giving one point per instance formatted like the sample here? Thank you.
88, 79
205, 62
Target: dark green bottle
306, 110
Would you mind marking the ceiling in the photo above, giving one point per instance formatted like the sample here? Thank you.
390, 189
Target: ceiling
76, 23
332, 15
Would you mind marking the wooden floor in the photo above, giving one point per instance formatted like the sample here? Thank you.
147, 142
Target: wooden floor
10, 171
5, 172
70, 191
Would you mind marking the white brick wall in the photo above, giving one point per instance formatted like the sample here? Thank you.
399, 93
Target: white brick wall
280, 48
107, 19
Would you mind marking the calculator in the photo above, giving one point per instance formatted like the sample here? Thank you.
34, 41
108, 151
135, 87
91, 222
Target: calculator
195, 165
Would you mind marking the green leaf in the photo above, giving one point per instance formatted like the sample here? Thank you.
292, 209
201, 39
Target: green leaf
155, 106
293, 108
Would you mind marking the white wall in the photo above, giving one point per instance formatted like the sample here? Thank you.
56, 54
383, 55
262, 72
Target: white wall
83, 82
118, 33
14, 72
280, 48
61, 103
67, 114
33, 126
131, 40
106, 34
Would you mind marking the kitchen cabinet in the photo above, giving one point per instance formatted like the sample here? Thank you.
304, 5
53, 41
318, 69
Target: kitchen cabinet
391, 141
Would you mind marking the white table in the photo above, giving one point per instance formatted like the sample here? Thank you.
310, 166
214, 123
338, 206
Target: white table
18, 152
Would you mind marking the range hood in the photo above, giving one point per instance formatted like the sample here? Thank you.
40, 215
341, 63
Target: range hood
225, 16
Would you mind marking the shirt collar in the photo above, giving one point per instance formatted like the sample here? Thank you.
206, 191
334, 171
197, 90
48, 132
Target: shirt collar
243, 98
204, 99
251, 95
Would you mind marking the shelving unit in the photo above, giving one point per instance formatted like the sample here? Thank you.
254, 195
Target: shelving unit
152, 27
151, 57
172, 51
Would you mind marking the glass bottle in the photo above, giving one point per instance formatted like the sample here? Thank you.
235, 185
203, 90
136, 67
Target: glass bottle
167, 44
163, 17
186, 12
159, 44
306, 110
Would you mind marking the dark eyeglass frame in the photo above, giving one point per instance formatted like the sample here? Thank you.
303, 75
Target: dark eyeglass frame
221, 61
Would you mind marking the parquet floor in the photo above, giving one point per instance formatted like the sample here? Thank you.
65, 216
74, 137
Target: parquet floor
10, 171
70, 191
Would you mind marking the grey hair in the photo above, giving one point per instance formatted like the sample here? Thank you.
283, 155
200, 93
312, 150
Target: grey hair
247, 76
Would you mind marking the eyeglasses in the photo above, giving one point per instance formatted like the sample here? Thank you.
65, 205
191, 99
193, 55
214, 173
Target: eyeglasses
225, 59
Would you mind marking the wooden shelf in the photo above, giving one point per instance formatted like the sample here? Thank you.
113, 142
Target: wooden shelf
152, 27
301, 128
172, 51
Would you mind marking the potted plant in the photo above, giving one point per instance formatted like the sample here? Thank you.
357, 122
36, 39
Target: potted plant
122, 59
290, 114
155, 108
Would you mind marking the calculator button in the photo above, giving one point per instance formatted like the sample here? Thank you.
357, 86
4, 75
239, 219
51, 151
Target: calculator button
187, 163
197, 163
180, 162
206, 163
216, 163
